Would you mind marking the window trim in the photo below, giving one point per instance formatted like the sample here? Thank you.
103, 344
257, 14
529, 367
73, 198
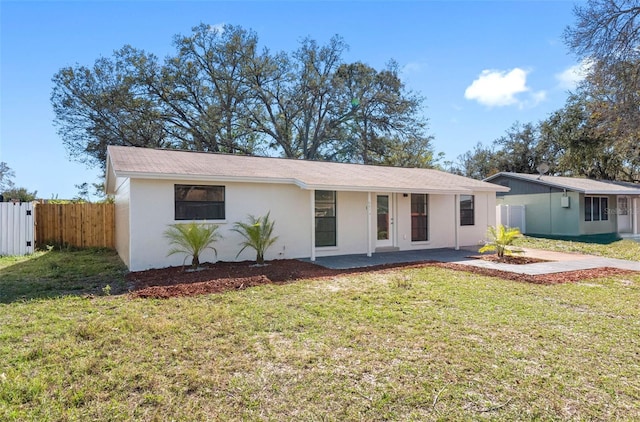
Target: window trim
591, 211
425, 202
464, 220
334, 218
176, 202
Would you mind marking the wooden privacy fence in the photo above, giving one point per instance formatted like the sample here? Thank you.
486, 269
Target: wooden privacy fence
76, 225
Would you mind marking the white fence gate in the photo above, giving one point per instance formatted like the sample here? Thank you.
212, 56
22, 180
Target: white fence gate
512, 216
17, 228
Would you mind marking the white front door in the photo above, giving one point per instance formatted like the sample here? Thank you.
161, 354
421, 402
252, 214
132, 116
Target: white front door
384, 220
624, 214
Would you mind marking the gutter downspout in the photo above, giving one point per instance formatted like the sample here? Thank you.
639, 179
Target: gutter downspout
489, 211
312, 202
634, 215
369, 224
550, 213
456, 207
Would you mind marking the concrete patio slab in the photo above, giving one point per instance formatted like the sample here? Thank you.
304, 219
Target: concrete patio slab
557, 261
342, 262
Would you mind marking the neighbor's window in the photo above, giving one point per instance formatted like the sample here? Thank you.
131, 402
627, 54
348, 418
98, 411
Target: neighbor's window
419, 217
325, 218
467, 212
199, 202
596, 208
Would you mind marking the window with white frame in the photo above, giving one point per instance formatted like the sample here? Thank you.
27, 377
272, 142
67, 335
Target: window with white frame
596, 208
199, 202
325, 211
419, 217
467, 210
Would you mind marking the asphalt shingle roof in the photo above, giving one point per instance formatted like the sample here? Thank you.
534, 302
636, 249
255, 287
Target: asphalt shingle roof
587, 186
187, 165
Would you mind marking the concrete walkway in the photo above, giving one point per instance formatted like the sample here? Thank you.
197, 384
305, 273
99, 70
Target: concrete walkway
557, 262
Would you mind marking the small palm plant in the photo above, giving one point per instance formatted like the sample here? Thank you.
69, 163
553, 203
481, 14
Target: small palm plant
500, 240
192, 239
257, 234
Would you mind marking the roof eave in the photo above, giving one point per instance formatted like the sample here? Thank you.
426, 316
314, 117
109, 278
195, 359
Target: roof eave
109, 176
389, 189
609, 192
545, 182
204, 177
303, 185
538, 180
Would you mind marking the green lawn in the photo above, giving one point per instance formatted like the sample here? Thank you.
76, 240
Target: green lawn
416, 344
56, 273
623, 249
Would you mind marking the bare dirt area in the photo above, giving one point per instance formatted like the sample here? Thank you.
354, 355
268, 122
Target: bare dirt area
225, 276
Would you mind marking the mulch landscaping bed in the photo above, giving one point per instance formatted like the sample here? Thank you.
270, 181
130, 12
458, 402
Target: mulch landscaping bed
510, 259
225, 276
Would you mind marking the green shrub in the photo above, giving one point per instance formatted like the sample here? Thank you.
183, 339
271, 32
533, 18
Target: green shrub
500, 240
192, 239
257, 234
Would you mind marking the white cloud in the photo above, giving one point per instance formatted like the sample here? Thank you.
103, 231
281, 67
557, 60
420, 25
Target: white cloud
536, 98
498, 88
412, 68
572, 76
218, 28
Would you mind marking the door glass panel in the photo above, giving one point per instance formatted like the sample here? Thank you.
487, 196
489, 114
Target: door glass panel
383, 217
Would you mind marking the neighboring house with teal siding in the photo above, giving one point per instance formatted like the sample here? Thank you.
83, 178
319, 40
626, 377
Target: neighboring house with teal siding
571, 206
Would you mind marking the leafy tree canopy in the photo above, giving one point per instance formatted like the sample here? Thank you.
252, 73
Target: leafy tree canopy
606, 35
6, 177
220, 92
19, 194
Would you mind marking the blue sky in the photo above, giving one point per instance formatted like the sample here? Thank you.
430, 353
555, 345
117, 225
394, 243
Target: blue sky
482, 65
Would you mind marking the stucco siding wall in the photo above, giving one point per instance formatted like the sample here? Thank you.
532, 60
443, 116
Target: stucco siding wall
485, 215
442, 222
599, 227
153, 209
442, 213
121, 200
565, 220
403, 223
351, 220
545, 214
150, 209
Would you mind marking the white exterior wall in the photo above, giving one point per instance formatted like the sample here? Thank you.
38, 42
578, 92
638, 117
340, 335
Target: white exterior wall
485, 215
153, 210
351, 221
122, 239
145, 208
442, 221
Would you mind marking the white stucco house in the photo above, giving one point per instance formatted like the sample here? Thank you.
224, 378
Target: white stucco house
319, 208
